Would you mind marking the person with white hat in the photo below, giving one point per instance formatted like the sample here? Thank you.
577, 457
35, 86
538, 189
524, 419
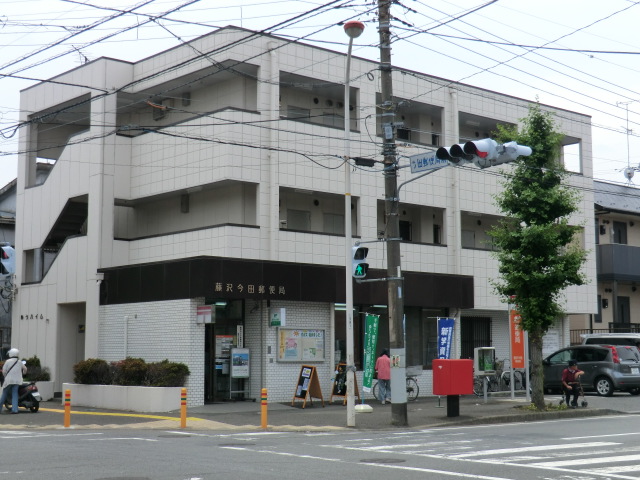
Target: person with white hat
12, 370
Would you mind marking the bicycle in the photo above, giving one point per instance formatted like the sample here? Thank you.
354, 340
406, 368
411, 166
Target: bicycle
413, 389
493, 384
492, 380
519, 380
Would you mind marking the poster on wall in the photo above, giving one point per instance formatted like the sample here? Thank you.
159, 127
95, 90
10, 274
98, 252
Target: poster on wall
300, 345
240, 363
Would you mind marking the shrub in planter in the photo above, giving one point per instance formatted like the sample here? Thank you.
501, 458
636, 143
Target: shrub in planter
35, 371
167, 374
130, 371
92, 371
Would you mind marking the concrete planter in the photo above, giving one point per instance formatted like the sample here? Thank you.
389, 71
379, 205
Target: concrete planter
115, 397
46, 390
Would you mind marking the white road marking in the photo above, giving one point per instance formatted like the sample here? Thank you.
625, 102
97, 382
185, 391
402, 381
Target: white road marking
537, 448
123, 438
29, 434
602, 436
588, 461
619, 469
395, 467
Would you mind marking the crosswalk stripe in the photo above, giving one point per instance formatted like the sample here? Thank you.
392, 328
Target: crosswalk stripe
588, 461
537, 448
619, 469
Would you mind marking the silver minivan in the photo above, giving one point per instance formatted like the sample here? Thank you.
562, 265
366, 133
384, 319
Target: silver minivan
632, 339
606, 368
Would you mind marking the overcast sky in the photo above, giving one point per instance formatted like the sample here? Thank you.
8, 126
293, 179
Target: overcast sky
581, 55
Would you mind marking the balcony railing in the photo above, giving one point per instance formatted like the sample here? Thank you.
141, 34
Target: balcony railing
618, 262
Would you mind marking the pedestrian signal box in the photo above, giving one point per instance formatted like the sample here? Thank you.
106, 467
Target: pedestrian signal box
484, 360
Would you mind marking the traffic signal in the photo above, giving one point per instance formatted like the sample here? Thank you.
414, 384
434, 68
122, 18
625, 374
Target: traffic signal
359, 261
483, 153
7, 260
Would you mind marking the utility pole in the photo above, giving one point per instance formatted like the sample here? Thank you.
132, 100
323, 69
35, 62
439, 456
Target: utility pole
394, 273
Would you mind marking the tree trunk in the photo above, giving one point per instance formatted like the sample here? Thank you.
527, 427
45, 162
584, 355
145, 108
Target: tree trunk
537, 373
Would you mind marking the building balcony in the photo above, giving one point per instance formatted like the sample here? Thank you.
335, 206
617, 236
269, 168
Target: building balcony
618, 262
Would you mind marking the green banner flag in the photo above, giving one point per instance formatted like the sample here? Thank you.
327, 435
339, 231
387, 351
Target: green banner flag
370, 344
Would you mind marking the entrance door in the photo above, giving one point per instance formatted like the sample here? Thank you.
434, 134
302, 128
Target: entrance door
220, 338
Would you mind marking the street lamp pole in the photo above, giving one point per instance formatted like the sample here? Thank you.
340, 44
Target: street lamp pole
353, 29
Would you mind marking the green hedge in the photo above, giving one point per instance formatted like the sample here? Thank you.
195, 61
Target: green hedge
131, 372
35, 371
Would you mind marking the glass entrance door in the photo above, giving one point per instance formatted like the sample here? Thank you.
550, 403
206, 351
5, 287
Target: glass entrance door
220, 337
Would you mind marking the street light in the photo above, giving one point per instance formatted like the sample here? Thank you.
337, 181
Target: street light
353, 29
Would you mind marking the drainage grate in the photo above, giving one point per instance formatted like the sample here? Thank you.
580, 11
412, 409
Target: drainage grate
173, 435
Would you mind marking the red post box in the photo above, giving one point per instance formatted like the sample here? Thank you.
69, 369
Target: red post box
452, 377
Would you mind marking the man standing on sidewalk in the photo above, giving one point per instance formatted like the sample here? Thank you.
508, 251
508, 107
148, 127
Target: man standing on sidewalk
383, 373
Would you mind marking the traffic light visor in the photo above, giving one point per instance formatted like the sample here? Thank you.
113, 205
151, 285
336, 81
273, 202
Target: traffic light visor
360, 253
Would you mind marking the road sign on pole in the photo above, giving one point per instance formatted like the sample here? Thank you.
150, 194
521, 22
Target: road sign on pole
426, 161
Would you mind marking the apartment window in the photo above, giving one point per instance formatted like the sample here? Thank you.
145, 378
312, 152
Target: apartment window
298, 112
437, 234
468, 239
624, 310
330, 119
333, 223
405, 230
403, 134
299, 220
474, 332
597, 318
620, 232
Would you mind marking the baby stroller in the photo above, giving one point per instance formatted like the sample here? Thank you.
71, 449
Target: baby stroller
583, 403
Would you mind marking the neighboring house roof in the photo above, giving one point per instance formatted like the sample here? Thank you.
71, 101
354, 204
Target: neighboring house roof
619, 198
8, 186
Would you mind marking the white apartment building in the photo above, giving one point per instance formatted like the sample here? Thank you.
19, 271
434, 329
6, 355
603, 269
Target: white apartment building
212, 174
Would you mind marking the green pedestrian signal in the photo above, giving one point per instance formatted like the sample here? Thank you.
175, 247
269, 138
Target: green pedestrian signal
359, 262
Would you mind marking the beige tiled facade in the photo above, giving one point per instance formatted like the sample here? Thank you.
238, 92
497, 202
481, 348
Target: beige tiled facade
237, 154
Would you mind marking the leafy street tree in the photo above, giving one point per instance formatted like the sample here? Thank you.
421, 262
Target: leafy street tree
537, 255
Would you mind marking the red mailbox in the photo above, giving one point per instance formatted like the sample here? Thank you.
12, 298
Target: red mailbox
452, 377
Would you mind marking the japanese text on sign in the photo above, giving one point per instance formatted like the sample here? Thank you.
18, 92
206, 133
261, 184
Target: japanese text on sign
425, 161
445, 336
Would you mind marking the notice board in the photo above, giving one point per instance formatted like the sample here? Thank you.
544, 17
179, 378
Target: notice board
307, 386
339, 387
300, 345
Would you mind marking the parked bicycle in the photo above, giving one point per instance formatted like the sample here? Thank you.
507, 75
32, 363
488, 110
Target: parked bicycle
413, 390
499, 380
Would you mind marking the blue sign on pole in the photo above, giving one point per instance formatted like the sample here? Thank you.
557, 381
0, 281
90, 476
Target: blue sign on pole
445, 337
426, 161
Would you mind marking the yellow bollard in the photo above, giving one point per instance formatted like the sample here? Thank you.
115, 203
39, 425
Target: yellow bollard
263, 408
67, 408
183, 408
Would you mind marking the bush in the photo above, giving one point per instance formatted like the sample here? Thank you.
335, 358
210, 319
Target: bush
92, 371
167, 374
35, 371
130, 371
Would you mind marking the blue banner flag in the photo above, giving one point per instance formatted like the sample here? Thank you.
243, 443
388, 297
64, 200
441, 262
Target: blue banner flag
445, 337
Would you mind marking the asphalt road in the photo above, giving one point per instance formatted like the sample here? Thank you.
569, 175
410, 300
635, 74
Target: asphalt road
585, 448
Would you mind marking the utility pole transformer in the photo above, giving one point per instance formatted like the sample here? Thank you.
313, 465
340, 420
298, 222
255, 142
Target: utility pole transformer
394, 273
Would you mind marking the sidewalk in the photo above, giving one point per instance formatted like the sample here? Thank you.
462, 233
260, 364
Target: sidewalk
426, 412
